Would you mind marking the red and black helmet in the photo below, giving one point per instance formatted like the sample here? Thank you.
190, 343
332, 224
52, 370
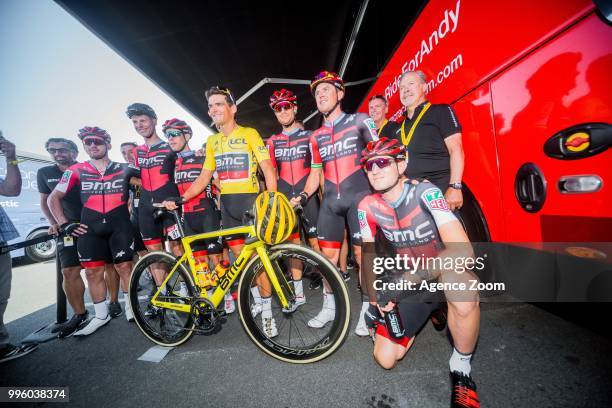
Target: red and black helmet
329, 77
94, 131
178, 124
282, 96
383, 147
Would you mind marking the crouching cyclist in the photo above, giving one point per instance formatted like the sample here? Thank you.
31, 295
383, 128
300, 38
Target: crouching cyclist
401, 205
105, 232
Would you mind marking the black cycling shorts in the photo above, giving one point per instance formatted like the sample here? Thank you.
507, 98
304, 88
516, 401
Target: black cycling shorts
334, 215
153, 229
108, 240
68, 254
233, 207
200, 222
311, 215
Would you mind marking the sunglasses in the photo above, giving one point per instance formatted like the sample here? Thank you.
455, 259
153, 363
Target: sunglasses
93, 142
380, 162
283, 106
173, 133
61, 150
224, 90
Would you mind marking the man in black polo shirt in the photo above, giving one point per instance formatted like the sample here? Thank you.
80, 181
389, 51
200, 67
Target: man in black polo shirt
64, 153
432, 135
378, 109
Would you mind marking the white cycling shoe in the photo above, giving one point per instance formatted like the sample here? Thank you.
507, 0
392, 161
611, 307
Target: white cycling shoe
93, 325
327, 313
129, 315
299, 301
269, 327
230, 305
256, 308
362, 329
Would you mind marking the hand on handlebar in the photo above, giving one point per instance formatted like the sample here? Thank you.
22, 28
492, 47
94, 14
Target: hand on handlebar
74, 229
172, 203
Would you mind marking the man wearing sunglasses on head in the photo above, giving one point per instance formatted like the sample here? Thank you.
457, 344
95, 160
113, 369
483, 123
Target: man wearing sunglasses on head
378, 109
234, 153
104, 232
64, 153
199, 214
336, 147
290, 155
154, 165
411, 219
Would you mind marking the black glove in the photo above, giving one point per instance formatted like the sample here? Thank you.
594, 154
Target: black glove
372, 317
303, 198
68, 228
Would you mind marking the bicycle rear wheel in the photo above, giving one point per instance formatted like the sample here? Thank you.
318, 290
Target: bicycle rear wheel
163, 326
297, 341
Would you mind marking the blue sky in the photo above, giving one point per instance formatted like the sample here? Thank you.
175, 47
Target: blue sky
57, 77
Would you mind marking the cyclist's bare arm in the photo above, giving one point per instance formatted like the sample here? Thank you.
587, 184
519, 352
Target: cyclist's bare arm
312, 184
269, 173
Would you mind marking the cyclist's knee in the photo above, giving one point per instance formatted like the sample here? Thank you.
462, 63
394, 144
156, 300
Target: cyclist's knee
463, 309
385, 357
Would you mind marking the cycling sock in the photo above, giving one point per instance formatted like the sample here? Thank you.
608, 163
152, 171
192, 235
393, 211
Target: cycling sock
256, 295
460, 362
266, 303
298, 288
101, 310
328, 301
126, 297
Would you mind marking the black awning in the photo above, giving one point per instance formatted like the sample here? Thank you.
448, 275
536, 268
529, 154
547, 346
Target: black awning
187, 46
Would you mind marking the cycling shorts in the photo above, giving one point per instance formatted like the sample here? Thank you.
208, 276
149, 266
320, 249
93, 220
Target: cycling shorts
311, 215
414, 315
200, 222
107, 241
233, 207
333, 216
153, 229
68, 254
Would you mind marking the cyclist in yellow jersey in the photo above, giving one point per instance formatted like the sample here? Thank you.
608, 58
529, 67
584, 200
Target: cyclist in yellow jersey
234, 154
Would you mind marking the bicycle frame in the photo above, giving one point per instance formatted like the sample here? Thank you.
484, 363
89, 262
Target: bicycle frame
252, 245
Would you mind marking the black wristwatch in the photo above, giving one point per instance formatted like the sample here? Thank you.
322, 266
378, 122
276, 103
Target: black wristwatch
456, 186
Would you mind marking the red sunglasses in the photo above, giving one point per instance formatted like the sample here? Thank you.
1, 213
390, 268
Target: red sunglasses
380, 162
279, 107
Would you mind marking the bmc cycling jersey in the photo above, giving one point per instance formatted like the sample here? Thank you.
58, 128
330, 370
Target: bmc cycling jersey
291, 156
337, 148
105, 212
155, 166
200, 214
409, 225
187, 168
235, 159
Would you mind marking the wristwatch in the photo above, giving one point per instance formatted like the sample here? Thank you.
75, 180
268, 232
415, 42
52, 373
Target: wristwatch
456, 186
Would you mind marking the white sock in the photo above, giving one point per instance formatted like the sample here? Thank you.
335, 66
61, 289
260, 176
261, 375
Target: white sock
298, 288
328, 301
256, 295
101, 310
267, 307
126, 297
460, 362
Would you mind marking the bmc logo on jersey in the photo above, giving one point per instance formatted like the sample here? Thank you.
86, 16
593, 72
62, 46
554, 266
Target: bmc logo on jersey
339, 148
183, 175
148, 162
435, 200
409, 234
229, 161
294, 152
101, 186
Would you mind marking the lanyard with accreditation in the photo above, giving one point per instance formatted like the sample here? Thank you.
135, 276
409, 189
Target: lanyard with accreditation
406, 139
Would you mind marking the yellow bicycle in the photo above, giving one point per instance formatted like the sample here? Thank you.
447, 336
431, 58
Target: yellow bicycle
170, 312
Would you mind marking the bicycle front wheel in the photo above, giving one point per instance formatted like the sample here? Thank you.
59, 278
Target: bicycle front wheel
314, 326
163, 326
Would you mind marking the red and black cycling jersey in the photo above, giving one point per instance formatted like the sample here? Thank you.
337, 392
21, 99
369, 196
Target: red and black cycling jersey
155, 166
290, 154
409, 225
100, 194
337, 148
187, 168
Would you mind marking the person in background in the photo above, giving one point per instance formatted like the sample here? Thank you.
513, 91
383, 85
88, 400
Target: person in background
9, 187
378, 108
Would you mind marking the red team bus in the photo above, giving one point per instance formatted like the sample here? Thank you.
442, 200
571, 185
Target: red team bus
530, 83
